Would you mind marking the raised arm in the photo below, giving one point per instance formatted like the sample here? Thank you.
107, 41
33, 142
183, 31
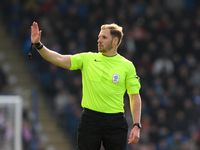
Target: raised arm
51, 56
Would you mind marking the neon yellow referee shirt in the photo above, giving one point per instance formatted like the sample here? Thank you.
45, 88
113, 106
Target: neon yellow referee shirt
105, 81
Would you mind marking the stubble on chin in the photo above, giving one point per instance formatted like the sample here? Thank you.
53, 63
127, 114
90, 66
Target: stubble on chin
103, 50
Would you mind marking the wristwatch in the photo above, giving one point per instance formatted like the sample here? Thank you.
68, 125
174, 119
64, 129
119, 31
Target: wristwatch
137, 124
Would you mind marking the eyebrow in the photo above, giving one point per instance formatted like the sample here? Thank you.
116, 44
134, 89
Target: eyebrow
102, 36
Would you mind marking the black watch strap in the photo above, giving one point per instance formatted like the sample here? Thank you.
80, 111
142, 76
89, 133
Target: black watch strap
137, 124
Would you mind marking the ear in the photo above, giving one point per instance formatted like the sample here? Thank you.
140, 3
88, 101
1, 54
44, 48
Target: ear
115, 40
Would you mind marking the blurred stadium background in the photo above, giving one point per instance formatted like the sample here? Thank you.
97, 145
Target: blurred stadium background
161, 37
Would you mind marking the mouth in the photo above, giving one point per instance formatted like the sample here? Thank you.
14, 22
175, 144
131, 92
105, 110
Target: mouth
100, 45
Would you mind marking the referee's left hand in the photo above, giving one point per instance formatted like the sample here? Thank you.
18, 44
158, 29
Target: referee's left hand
134, 135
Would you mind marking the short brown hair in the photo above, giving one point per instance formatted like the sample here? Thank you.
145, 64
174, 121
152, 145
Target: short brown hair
115, 31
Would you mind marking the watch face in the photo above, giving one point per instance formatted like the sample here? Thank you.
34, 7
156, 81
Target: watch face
138, 124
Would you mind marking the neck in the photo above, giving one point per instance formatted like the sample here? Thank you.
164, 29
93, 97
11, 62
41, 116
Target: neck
110, 53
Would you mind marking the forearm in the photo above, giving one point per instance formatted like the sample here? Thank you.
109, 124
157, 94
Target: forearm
49, 55
55, 58
135, 105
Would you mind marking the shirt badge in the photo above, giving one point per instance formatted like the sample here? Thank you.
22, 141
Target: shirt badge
115, 78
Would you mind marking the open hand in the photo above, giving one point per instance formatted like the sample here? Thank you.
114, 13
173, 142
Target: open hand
35, 33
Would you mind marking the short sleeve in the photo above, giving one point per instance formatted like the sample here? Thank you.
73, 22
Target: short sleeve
76, 61
132, 81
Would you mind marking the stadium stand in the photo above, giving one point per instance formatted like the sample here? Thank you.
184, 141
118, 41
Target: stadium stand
38, 132
161, 39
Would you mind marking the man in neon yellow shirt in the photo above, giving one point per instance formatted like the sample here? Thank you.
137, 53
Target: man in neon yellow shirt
106, 76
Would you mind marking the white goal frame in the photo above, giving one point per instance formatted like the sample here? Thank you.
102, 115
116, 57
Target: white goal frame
16, 101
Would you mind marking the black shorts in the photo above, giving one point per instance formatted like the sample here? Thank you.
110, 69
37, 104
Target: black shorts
96, 128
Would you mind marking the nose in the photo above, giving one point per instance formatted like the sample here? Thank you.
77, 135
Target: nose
99, 40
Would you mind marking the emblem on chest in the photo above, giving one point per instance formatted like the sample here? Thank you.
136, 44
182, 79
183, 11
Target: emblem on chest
115, 78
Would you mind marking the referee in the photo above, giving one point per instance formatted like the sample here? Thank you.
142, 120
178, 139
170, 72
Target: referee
106, 76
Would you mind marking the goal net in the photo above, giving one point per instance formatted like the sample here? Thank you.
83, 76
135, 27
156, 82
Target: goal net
10, 123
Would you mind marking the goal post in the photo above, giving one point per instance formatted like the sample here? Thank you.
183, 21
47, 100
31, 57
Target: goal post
10, 122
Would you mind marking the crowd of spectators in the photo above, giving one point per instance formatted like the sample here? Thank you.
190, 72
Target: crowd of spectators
161, 38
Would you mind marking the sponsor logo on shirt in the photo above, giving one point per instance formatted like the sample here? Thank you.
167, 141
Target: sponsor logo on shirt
115, 78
